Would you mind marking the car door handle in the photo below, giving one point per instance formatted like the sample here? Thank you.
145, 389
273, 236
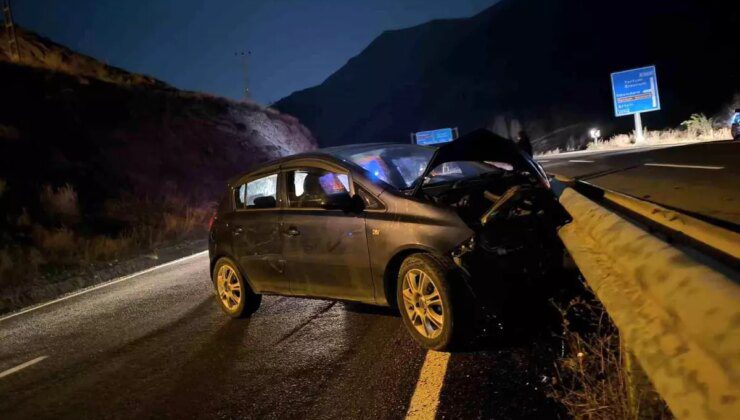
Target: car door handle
238, 231
292, 231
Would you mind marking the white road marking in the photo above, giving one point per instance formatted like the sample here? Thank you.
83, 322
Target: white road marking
581, 161
100, 286
21, 366
671, 165
543, 161
425, 400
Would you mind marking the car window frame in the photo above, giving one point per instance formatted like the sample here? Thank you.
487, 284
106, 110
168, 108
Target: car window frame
254, 177
310, 164
382, 207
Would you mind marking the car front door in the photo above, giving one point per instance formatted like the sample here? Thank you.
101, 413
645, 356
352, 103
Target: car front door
325, 249
255, 229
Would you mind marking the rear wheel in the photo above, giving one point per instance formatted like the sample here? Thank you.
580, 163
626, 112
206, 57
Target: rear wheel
234, 295
433, 306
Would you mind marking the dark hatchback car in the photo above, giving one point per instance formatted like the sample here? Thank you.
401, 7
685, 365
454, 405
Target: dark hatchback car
443, 234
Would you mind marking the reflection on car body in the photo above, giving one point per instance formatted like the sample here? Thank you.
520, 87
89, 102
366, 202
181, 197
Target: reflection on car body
429, 231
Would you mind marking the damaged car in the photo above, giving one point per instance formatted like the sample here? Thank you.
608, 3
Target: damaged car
443, 234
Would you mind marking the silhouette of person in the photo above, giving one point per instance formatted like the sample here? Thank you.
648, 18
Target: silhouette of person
524, 143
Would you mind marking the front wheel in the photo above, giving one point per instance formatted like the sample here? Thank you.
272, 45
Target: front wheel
235, 297
433, 306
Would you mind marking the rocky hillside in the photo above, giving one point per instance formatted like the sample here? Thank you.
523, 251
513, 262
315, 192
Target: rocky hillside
540, 64
67, 118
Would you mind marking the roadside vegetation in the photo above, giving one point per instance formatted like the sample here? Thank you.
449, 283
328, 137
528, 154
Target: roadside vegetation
51, 238
593, 377
697, 128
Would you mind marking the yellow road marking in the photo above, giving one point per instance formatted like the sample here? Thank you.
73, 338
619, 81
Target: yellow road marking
425, 400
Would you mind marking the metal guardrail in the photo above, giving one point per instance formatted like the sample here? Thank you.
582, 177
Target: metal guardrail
678, 312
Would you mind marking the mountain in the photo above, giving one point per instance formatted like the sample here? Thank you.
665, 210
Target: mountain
542, 65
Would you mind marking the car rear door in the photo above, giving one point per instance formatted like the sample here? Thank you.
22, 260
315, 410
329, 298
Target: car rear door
255, 230
325, 249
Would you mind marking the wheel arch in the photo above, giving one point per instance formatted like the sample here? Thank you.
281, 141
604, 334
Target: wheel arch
390, 274
221, 255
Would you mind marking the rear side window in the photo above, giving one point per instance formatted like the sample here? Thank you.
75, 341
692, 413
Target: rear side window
260, 193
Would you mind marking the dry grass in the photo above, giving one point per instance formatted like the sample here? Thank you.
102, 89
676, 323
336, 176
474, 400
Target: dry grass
60, 246
60, 203
103, 248
592, 381
691, 134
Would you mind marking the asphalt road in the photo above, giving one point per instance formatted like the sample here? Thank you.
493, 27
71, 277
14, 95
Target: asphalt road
702, 179
157, 345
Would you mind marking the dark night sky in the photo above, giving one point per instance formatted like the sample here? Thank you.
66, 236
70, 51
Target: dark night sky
191, 44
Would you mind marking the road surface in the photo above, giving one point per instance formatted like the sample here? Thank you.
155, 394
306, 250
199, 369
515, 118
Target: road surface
702, 179
157, 345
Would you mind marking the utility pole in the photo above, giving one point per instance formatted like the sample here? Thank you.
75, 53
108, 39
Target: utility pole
245, 68
13, 49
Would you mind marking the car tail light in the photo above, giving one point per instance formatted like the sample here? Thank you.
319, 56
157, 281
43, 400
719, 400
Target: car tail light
212, 220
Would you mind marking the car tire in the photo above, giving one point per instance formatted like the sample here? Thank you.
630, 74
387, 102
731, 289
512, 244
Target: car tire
419, 309
233, 293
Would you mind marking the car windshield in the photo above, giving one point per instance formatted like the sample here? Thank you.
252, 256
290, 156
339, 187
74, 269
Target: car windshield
401, 165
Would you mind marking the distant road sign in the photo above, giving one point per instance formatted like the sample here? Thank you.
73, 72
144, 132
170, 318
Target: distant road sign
635, 91
442, 135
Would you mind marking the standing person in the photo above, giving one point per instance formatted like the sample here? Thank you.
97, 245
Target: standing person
524, 143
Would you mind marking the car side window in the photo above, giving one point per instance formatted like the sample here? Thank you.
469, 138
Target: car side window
260, 193
312, 187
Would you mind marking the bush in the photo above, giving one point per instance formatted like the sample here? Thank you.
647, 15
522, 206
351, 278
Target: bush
102, 248
58, 245
61, 203
17, 266
698, 125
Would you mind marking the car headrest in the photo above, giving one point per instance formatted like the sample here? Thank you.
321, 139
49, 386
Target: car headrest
312, 185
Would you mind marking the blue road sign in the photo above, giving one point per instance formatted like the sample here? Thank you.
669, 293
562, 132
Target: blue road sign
635, 91
442, 135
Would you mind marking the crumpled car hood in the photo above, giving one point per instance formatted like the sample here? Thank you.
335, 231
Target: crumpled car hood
484, 146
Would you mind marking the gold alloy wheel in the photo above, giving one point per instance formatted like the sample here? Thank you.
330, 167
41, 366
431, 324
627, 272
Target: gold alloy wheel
423, 303
229, 289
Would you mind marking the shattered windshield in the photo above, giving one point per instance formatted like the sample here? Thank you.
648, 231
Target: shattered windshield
401, 165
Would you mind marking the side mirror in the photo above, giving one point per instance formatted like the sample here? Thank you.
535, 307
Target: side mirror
345, 202
266, 202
